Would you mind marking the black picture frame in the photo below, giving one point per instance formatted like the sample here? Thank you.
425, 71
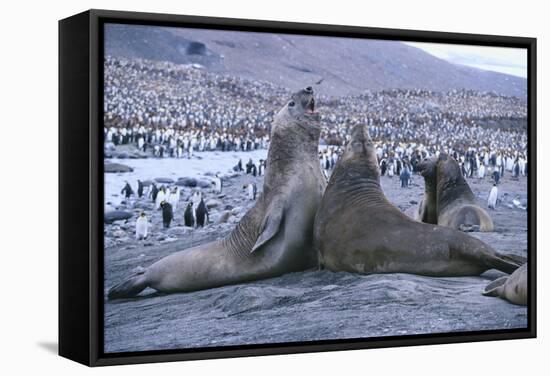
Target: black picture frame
81, 179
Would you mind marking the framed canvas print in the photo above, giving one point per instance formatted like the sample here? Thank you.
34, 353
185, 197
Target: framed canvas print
239, 187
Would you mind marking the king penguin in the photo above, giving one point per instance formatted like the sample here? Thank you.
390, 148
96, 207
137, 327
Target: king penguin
493, 195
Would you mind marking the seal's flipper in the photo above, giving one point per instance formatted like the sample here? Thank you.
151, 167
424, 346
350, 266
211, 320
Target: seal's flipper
503, 263
129, 287
270, 227
520, 260
495, 288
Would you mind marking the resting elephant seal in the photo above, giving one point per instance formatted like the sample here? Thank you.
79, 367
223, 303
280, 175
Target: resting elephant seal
358, 230
512, 288
456, 204
275, 236
427, 210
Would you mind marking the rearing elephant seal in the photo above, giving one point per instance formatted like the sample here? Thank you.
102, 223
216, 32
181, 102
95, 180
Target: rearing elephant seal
358, 230
275, 236
427, 210
512, 288
456, 204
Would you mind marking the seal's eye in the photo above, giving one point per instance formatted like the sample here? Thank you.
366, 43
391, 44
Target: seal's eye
291, 104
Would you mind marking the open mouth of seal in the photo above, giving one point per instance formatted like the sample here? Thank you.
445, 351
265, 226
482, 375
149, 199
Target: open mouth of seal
310, 108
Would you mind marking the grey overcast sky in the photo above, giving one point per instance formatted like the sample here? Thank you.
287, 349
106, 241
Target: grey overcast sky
500, 59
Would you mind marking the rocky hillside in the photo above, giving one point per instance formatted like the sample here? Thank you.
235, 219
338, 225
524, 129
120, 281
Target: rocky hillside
347, 66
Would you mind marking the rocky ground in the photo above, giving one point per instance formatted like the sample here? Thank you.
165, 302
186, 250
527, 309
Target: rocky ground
312, 305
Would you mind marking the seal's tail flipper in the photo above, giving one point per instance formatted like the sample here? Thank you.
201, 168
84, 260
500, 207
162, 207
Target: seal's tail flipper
129, 287
515, 259
494, 288
506, 263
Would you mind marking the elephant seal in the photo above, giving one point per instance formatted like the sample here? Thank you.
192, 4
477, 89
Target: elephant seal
427, 210
275, 236
512, 288
456, 204
358, 230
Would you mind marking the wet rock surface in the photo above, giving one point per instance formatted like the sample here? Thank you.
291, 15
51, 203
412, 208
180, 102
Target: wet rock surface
312, 305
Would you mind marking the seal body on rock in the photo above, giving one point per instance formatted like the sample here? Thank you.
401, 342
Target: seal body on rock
456, 203
512, 288
275, 236
358, 230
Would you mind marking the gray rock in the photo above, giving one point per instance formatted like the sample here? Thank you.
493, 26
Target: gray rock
116, 168
143, 205
176, 230
119, 233
212, 203
116, 215
224, 217
298, 306
108, 242
204, 183
164, 180
187, 182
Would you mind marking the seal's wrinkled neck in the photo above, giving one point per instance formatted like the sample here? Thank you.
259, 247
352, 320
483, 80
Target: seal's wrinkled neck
451, 184
356, 175
356, 172
296, 135
288, 152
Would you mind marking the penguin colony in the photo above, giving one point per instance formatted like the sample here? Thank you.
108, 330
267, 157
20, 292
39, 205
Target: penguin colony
167, 200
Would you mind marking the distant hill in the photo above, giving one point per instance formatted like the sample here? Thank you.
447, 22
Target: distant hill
347, 66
